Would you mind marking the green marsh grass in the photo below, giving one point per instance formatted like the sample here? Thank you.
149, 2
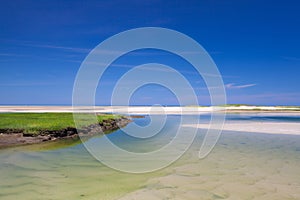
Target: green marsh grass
36, 122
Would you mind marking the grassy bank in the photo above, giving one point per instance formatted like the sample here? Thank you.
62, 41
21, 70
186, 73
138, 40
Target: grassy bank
37, 122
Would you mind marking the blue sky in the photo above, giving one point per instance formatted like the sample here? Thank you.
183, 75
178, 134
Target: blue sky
255, 45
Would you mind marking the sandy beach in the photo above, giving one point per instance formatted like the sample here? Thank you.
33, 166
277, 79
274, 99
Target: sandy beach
144, 110
111, 109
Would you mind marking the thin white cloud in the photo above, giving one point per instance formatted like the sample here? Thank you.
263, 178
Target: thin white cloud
234, 86
47, 46
109, 52
75, 49
20, 84
10, 54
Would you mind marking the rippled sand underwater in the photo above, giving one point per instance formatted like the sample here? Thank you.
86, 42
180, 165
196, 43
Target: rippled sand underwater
241, 166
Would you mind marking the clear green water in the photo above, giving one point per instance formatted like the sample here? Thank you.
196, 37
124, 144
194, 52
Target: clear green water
241, 166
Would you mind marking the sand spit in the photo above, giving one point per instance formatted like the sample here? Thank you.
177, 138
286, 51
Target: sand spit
256, 127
